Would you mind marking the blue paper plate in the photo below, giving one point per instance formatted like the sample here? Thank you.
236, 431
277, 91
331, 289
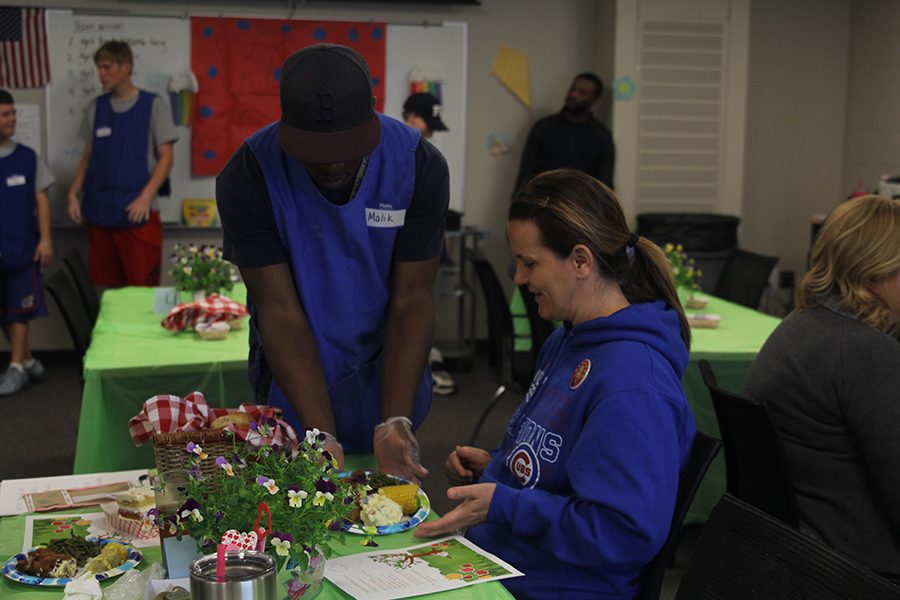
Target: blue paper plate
10, 571
419, 516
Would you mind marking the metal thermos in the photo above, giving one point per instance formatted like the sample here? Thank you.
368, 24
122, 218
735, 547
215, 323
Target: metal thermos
249, 575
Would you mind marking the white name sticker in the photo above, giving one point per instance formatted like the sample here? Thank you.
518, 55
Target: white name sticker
104, 131
15, 180
376, 217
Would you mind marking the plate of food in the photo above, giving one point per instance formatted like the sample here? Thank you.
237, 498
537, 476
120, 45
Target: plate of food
391, 506
57, 563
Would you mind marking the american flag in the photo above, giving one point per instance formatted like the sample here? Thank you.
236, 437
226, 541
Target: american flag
23, 48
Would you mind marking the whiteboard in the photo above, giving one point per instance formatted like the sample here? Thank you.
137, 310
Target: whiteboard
161, 47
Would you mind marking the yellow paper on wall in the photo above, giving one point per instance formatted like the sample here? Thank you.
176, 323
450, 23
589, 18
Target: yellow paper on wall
511, 69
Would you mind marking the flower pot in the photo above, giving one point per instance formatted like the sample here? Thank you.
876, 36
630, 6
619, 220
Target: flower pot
305, 583
199, 295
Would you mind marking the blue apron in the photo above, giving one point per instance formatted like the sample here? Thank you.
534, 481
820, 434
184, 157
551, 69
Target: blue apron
18, 222
119, 168
341, 259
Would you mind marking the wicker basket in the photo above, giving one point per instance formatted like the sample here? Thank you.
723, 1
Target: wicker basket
170, 454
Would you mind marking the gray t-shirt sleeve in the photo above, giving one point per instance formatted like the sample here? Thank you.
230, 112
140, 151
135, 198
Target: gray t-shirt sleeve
86, 130
44, 178
162, 126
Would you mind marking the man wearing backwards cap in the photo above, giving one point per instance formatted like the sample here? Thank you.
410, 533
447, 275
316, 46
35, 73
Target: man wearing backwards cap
334, 216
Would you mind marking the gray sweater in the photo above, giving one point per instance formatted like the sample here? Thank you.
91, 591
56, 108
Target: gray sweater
833, 387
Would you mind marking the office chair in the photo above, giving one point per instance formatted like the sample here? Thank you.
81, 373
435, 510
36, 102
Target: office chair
755, 468
72, 309
81, 276
703, 450
744, 277
745, 554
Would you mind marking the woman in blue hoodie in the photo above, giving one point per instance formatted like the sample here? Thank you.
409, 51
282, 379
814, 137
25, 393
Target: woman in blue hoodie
580, 494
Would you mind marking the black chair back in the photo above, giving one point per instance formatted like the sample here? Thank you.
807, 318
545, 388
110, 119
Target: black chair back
499, 317
81, 276
744, 277
745, 554
72, 309
703, 450
755, 468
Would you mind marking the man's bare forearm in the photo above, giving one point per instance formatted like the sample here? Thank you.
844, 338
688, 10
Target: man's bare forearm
408, 338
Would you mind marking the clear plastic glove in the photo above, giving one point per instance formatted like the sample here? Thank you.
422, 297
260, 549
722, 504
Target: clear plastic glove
133, 584
334, 447
397, 450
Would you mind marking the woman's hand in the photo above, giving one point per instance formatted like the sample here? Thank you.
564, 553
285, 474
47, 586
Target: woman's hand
476, 500
466, 464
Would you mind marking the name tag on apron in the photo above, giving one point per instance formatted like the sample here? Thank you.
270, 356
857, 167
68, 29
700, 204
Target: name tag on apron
15, 180
104, 132
377, 217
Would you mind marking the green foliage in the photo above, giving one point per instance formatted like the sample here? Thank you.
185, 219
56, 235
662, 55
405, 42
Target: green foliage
685, 274
302, 489
201, 269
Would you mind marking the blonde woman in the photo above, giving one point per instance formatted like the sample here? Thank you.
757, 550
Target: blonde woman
831, 375
579, 495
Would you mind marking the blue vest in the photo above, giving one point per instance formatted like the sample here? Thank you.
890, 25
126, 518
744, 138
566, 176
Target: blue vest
18, 223
118, 169
341, 258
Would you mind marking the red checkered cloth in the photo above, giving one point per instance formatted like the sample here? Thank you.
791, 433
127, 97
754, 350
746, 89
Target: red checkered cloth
167, 414
213, 309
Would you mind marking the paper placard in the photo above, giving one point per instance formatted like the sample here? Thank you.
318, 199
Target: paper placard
164, 300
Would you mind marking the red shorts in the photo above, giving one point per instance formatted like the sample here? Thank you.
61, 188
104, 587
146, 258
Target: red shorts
126, 256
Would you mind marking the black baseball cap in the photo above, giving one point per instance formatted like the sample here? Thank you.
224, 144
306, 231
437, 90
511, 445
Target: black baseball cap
428, 107
327, 107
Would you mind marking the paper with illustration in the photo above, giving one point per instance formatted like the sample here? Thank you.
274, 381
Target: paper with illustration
444, 564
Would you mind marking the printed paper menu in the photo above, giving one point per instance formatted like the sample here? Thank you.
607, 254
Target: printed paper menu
441, 565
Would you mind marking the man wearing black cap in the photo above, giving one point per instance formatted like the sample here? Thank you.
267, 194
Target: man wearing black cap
334, 216
423, 111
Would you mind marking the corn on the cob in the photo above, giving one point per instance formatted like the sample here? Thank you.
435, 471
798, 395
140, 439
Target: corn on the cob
405, 495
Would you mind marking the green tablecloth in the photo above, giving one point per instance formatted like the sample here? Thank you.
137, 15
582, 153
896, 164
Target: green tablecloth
12, 530
132, 358
730, 349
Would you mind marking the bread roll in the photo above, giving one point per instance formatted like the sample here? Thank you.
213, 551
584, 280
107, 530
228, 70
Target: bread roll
239, 419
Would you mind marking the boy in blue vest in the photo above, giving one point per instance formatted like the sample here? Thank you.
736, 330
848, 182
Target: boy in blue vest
334, 216
25, 247
128, 135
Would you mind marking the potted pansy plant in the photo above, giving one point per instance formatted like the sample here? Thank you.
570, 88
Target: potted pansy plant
201, 270
282, 501
686, 275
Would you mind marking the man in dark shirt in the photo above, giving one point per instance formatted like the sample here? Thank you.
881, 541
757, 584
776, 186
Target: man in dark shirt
572, 138
334, 216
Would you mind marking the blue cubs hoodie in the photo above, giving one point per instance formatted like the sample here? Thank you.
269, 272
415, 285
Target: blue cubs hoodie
587, 474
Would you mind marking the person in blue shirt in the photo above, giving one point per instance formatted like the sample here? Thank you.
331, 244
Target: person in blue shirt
580, 494
25, 247
334, 216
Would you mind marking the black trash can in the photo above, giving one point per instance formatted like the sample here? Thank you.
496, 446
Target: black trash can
696, 232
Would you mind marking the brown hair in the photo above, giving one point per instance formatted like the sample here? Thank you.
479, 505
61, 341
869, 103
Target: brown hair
857, 249
570, 207
115, 50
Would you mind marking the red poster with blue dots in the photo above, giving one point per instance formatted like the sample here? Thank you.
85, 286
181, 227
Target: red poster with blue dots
238, 63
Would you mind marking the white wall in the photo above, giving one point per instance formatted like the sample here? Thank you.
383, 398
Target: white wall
795, 123
872, 142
